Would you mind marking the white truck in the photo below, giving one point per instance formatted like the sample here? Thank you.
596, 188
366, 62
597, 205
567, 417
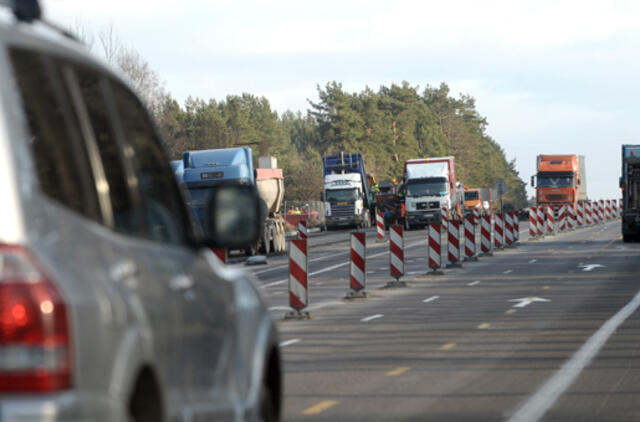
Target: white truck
429, 185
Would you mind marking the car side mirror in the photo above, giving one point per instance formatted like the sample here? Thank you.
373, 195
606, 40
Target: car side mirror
233, 217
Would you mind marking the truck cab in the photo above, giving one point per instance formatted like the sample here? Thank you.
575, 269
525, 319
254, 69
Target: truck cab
346, 191
630, 185
561, 180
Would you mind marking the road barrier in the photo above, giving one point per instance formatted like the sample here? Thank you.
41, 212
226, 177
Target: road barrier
396, 251
453, 247
221, 254
588, 213
516, 226
498, 229
601, 211
550, 222
298, 280
540, 225
470, 238
533, 222
444, 214
380, 226
571, 217
607, 210
580, 214
302, 230
508, 228
358, 267
435, 257
485, 234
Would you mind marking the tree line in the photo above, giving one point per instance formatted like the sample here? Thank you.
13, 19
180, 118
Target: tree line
387, 126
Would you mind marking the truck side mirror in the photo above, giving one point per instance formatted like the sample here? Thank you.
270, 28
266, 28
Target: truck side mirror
533, 183
621, 183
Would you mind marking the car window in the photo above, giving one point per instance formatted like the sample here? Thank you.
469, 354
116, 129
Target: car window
164, 209
124, 215
61, 162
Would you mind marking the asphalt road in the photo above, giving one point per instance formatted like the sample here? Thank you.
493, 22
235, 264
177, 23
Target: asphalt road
547, 330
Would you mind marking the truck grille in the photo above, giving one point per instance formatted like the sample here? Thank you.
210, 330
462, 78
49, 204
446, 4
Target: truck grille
556, 197
342, 210
427, 205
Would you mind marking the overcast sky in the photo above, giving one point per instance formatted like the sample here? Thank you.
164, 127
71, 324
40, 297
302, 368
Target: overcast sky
551, 77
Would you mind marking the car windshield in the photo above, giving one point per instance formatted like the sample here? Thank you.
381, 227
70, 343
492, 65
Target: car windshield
428, 187
551, 181
471, 196
342, 195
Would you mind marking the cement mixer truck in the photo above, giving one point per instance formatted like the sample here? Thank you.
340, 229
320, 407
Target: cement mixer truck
203, 170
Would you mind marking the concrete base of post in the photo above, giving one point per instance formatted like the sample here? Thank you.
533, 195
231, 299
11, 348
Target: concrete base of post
435, 272
486, 254
358, 294
394, 284
456, 264
471, 258
298, 315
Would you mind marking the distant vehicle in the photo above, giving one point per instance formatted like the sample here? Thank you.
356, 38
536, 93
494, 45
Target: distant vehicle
561, 180
478, 199
346, 190
388, 203
112, 305
430, 185
630, 184
205, 170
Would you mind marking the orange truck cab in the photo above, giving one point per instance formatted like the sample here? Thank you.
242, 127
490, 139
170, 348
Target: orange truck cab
477, 199
561, 180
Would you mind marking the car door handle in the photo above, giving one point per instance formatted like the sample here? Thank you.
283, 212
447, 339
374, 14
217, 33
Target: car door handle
181, 282
123, 271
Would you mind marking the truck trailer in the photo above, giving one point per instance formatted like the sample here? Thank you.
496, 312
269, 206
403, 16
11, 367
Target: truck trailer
630, 185
561, 180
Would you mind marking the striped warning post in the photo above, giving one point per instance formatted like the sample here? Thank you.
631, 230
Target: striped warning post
435, 251
498, 228
508, 228
444, 216
302, 230
485, 234
470, 237
540, 225
298, 265
580, 214
396, 251
562, 218
571, 217
601, 211
550, 222
607, 210
515, 218
594, 212
533, 222
588, 218
358, 267
380, 226
453, 248
221, 254
619, 208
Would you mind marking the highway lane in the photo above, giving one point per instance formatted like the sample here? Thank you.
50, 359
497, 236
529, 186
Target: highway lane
460, 347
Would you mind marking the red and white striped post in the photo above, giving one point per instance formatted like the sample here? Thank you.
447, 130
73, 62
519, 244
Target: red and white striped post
380, 226
485, 234
396, 251
435, 250
358, 267
607, 210
298, 279
221, 254
540, 225
571, 217
515, 218
619, 208
498, 228
533, 222
470, 238
444, 227
601, 211
562, 218
550, 220
588, 218
453, 246
508, 228
580, 214
302, 230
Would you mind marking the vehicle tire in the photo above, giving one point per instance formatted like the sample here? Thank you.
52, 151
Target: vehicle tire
627, 238
145, 402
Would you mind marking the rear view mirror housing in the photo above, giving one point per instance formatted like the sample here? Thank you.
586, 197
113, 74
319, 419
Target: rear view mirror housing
233, 217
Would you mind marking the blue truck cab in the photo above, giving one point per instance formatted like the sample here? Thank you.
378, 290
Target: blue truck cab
203, 170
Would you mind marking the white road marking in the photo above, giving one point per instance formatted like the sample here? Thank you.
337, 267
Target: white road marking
533, 261
590, 267
474, 283
289, 342
508, 272
323, 305
431, 299
278, 267
280, 308
369, 318
546, 396
319, 283
525, 301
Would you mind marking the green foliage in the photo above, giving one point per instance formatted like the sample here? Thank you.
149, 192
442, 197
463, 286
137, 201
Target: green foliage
389, 126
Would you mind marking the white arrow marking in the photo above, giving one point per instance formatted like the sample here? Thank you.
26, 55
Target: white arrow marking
590, 267
473, 283
369, 318
533, 261
524, 301
431, 299
508, 272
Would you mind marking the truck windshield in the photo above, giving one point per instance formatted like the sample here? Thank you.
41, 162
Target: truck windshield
471, 196
427, 187
550, 180
342, 195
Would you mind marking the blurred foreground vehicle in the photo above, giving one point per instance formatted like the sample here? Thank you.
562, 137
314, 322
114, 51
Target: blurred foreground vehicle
112, 305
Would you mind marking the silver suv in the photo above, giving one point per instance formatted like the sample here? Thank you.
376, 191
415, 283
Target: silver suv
112, 305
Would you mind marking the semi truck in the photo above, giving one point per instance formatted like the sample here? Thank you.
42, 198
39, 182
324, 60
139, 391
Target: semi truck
478, 199
561, 180
346, 190
429, 185
630, 185
204, 170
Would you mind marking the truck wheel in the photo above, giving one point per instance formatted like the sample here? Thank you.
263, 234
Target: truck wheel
266, 240
407, 226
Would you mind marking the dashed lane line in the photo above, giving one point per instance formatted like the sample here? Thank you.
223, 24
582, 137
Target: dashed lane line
289, 342
320, 407
474, 283
372, 317
431, 299
511, 311
508, 272
484, 326
447, 346
533, 261
398, 371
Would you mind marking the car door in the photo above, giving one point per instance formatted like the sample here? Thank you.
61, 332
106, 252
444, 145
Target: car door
206, 302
